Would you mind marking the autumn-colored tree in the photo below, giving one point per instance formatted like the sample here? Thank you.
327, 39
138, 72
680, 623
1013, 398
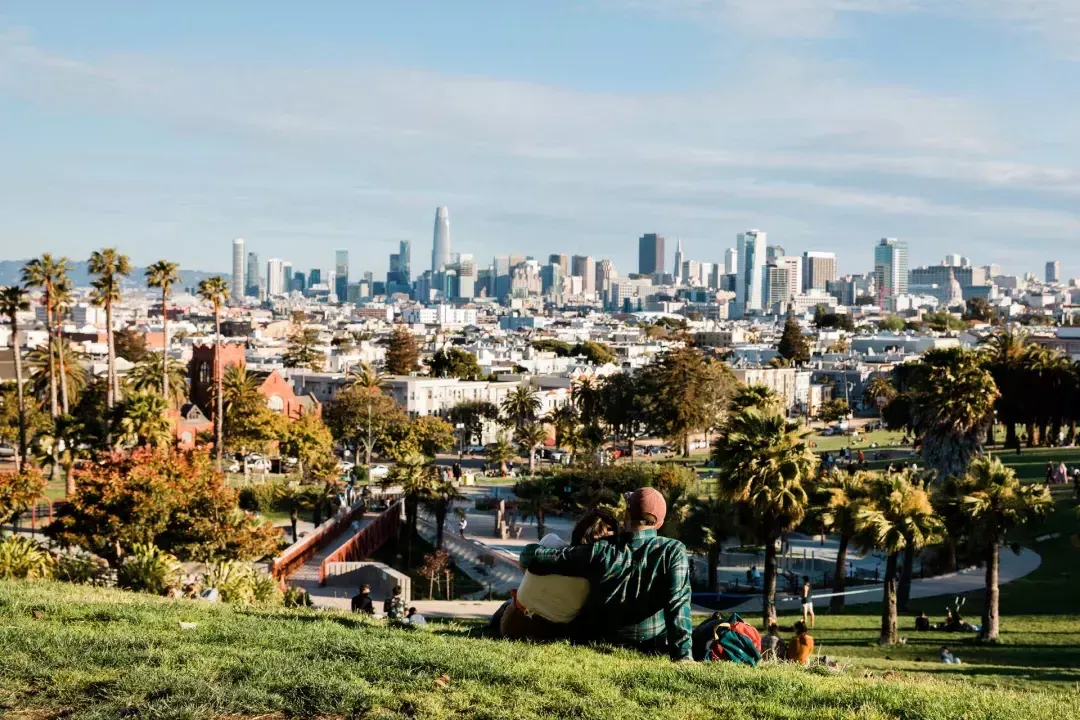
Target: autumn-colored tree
19, 490
175, 501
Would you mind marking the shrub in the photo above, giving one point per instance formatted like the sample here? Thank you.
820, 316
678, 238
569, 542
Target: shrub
148, 569
18, 491
241, 584
83, 568
23, 559
258, 498
296, 598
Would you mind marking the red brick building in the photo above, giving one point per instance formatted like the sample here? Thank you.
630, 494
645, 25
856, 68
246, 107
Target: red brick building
279, 393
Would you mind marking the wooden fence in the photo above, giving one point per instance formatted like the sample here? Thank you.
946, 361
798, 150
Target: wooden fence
367, 541
294, 556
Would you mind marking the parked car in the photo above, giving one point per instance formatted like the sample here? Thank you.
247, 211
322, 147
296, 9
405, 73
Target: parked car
476, 450
345, 466
7, 451
233, 466
378, 472
256, 463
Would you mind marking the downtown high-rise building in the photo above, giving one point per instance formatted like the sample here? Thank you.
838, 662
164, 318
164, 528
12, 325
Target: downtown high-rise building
731, 261
605, 276
440, 248
650, 254
584, 267
254, 279
749, 287
341, 274
678, 262
890, 271
1053, 271
275, 277
563, 261
772, 252
794, 266
239, 287
819, 269
400, 274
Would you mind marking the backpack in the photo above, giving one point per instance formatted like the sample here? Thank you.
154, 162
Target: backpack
733, 640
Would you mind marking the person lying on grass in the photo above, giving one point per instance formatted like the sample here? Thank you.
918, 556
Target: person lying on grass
639, 583
544, 605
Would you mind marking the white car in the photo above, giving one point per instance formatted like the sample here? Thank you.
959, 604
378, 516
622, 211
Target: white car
378, 472
256, 463
233, 467
345, 466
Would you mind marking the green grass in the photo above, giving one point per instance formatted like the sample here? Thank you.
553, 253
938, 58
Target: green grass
89, 653
884, 439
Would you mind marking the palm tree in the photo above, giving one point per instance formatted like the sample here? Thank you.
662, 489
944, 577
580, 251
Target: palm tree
143, 422
145, 377
12, 302
163, 275
879, 392
239, 387
538, 497
521, 406
46, 273
567, 427
711, 521
61, 303
62, 447
997, 503
843, 492
438, 502
531, 437
896, 514
1006, 355
500, 452
109, 265
763, 465
215, 291
64, 357
415, 475
366, 377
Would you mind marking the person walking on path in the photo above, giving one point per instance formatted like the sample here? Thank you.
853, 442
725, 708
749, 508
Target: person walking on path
462, 524
807, 598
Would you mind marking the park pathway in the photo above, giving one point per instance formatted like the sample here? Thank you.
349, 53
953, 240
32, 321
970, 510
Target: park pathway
307, 576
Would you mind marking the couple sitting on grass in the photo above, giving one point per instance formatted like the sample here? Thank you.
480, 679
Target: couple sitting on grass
621, 586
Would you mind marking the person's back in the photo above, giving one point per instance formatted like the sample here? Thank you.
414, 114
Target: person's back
394, 606
362, 602
801, 647
773, 646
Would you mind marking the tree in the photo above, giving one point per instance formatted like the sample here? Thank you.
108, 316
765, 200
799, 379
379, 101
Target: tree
303, 350
943, 321
19, 491
14, 422
686, 393
842, 494
764, 466
833, 410
499, 453
998, 503
308, 440
364, 377
146, 377
537, 497
879, 392
50, 275
175, 501
530, 437
567, 426
595, 353
897, 514
586, 395
978, 309
215, 291
110, 266
416, 477
130, 345
560, 348
824, 319
473, 414
1008, 360
521, 406
402, 353
711, 521
362, 418
426, 435
73, 376
163, 275
793, 345
454, 363
623, 407
62, 446
142, 421
892, 323
761, 397
12, 302
438, 501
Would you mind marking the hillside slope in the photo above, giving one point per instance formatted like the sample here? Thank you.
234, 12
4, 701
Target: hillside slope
86, 653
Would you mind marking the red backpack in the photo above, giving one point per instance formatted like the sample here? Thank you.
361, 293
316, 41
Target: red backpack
734, 641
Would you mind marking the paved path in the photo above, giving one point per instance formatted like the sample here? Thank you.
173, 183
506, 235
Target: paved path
307, 576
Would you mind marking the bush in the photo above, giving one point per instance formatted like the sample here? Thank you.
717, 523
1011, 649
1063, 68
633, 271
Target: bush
580, 488
83, 568
240, 584
148, 569
23, 559
258, 498
296, 598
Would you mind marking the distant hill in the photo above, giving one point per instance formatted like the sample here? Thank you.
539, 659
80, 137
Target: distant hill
10, 273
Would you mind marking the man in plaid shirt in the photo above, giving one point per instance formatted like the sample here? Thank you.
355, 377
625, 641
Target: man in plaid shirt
639, 583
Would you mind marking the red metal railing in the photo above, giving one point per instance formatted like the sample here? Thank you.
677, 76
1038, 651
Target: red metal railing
294, 556
367, 541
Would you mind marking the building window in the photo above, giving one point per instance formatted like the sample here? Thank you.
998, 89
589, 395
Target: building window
275, 403
204, 372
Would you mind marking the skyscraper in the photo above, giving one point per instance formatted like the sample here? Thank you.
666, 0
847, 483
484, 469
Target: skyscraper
1053, 271
275, 277
563, 261
584, 267
749, 288
440, 250
254, 281
605, 275
650, 254
793, 265
731, 261
286, 277
772, 252
777, 290
400, 276
890, 270
239, 288
819, 269
299, 281
678, 262
341, 274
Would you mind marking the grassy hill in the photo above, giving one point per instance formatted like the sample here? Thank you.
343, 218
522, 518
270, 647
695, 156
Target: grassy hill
87, 653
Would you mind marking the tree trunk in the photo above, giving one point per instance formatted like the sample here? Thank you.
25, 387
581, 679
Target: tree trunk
294, 518
19, 391
840, 575
768, 588
888, 610
219, 381
686, 445
532, 461
64, 404
165, 346
54, 406
1031, 439
948, 557
412, 526
991, 614
69, 479
110, 365
904, 590
630, 445
440, 521
539, 524
1011, 441
713, 558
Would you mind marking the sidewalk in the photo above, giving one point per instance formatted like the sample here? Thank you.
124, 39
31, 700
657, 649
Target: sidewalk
307, 577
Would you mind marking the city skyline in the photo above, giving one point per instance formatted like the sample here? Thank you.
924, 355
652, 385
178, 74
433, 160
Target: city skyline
129, 131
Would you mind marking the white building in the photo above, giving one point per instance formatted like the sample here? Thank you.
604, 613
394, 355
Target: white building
749, 286
276, 283
446, 315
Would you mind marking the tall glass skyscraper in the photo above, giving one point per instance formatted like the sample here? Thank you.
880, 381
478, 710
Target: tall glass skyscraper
254, 281
650, 254
341, 274
239, 288
891, 270
749, 287
440, 249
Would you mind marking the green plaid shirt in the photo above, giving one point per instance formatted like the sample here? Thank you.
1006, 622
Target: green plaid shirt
639, 588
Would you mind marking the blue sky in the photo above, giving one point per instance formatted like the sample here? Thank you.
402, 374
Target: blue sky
168, 129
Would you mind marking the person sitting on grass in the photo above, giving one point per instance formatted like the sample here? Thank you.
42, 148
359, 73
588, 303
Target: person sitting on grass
922, 623
639, 582
773, 646
801, 647
415, 618
947, 657
394, 606
362, 603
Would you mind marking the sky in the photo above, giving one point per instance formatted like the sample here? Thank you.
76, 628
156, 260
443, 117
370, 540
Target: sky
168, 129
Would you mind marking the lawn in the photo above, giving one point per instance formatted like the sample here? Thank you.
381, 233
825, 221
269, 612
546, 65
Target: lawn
86, 653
